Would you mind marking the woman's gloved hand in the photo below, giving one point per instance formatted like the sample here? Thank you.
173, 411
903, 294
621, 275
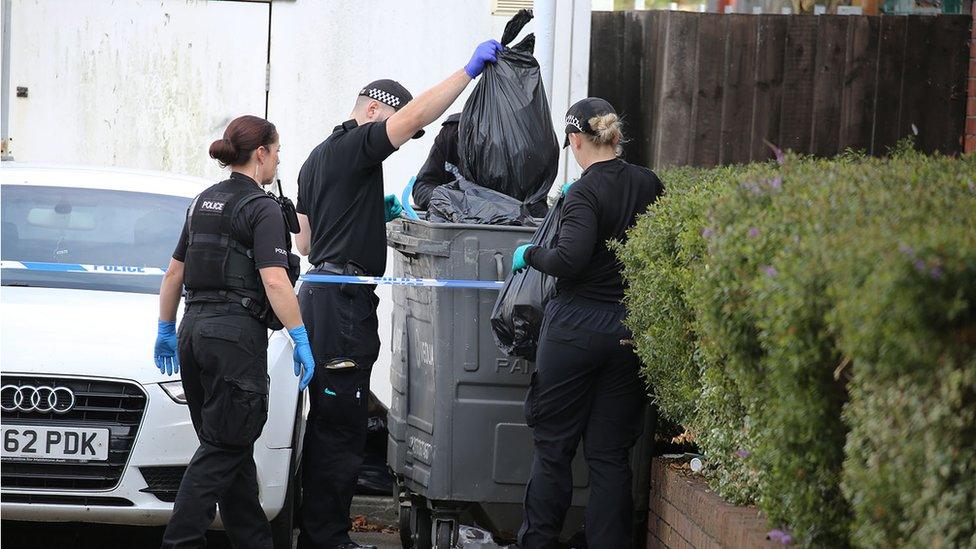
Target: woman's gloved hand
304, 361
486, 52
393, 207
518, 258
167, 360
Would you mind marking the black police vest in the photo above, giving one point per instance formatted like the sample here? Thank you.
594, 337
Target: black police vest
218, 268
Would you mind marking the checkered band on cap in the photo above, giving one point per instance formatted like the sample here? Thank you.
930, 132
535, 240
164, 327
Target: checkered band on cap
383, 97
574, 122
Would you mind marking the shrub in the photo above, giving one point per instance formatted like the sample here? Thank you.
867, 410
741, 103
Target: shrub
782, 310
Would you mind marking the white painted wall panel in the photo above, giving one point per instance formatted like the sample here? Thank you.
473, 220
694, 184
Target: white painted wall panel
134, 83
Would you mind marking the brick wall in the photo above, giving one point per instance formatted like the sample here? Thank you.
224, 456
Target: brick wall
684, 513
970, 144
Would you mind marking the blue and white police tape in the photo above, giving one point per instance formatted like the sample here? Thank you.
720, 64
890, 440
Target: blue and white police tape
314, 278
401, 281
82, 268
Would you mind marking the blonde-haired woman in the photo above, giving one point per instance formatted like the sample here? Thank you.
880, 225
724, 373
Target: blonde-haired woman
586, 383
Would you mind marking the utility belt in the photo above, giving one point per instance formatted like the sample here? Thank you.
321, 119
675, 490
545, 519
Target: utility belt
349, 269
256, 306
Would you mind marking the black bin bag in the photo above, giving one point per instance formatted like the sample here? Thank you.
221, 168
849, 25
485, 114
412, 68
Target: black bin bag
517, 316
461, 201
506, 140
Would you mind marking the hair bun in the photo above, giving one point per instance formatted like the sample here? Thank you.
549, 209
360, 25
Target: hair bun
608, 131
243, 136
224, 151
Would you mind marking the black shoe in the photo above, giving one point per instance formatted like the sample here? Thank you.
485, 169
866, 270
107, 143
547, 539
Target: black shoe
353, 545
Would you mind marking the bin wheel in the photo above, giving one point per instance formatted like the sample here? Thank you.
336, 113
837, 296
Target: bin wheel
403, 516
444, 535
421, 524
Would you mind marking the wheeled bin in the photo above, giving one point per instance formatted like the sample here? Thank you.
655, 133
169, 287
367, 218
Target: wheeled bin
458, 444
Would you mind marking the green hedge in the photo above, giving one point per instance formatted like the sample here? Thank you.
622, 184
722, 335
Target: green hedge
813, 325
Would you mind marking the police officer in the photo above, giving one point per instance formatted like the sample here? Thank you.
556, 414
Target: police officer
433, 173
234, 259
342, 212
586, 383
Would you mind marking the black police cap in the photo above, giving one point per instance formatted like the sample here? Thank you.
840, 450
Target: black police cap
579, 114
390, 93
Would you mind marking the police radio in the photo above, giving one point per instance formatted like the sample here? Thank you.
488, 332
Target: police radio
288, 209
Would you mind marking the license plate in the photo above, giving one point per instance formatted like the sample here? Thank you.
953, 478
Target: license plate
55, 443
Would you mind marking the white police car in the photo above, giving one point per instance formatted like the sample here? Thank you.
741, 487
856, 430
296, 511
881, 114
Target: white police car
91, 430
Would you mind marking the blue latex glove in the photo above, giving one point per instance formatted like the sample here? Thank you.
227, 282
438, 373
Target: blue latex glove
566, 186
304, 361
393, 207
167, 360
486, 52
518, 258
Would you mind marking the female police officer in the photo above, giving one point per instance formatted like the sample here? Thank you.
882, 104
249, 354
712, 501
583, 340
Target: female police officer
586, 381
233, 257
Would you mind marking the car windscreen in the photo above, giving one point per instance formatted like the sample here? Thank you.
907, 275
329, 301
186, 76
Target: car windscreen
96, 239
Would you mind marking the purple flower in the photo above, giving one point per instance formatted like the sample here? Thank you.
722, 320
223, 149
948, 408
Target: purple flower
776, 182
753, 232
936, 272
906, 249
781, 536
742, 453
707, 232
920, 266
770, 271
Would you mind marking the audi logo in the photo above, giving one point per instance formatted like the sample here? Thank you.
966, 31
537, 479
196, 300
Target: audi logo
44, 399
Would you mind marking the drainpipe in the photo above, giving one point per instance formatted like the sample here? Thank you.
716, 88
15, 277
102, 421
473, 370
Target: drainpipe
545, 40
5, 85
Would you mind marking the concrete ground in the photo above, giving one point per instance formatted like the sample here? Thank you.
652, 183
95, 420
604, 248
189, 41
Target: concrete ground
35, 535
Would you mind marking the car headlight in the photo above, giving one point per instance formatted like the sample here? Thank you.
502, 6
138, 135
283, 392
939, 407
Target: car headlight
175, 391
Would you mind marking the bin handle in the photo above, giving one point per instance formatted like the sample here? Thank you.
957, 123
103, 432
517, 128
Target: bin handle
411, 245
500, 266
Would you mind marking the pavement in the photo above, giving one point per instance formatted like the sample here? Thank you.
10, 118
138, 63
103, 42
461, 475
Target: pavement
379, 511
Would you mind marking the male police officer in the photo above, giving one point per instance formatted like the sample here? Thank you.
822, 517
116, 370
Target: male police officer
342, 212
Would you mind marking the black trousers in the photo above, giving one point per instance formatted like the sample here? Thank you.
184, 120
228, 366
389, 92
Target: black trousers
586, 385
342, 327
224, 367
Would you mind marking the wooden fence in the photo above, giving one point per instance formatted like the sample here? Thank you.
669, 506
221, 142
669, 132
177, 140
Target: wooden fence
705, 89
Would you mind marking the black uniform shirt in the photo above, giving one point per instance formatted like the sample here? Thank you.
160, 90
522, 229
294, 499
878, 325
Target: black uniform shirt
259, 225
600, 206
432, 174
340, 189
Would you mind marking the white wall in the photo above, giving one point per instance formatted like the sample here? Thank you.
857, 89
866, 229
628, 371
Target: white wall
149, 84
133, 83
